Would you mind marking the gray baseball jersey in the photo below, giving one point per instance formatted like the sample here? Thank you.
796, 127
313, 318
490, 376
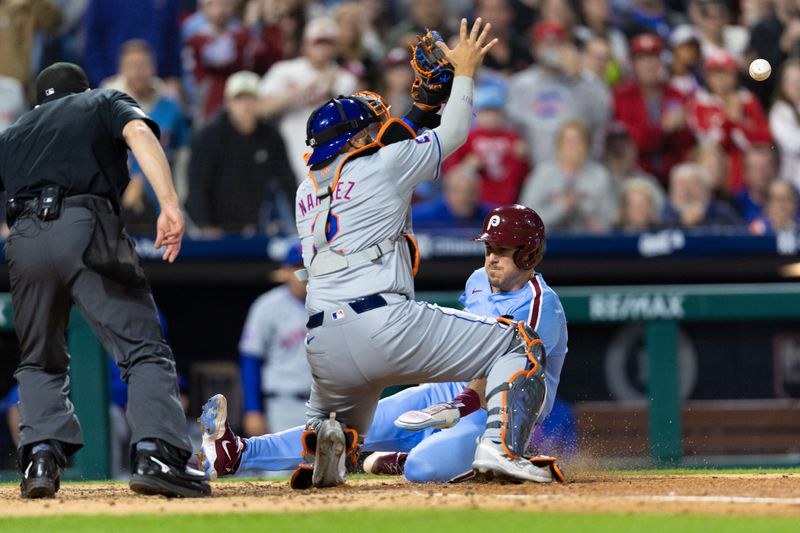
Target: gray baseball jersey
369, 205
275, 331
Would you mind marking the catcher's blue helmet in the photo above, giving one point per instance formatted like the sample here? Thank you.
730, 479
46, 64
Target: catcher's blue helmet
334, 123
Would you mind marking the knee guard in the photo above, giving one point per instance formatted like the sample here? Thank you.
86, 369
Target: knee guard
523, 393
302, 476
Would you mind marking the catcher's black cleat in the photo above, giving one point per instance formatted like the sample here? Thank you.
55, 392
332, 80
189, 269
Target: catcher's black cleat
41, 474
158, 468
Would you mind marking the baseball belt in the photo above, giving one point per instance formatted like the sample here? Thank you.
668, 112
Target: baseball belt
359, 305
16, 209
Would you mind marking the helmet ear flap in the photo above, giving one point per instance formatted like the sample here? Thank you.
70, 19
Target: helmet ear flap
522, 258
528, 256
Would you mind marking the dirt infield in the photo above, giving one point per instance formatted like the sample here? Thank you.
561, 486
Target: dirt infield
757, 494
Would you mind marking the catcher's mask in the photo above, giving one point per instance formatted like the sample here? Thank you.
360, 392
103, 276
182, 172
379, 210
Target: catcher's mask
516, 226
334, 123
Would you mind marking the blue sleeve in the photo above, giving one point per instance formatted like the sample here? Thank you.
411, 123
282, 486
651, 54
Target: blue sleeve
553, 331
250, 368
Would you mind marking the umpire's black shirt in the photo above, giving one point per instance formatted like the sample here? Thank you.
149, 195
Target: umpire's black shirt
72, 140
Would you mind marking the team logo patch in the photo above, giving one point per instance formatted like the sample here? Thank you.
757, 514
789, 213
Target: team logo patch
422, 139
338, 314
493, 222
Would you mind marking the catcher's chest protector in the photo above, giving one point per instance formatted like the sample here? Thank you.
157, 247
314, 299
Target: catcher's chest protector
327, 260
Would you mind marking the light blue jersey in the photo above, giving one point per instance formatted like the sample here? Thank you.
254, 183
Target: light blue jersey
537, 305
440, 455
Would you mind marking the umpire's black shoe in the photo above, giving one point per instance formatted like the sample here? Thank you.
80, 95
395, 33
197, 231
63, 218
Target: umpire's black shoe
41, 472
158, 468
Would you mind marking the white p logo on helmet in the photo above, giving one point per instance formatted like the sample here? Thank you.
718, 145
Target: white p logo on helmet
493, 222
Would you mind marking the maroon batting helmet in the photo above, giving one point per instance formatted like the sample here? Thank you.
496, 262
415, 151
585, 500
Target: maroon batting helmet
516, 226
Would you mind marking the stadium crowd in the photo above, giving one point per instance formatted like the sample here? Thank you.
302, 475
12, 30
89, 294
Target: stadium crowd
603, 115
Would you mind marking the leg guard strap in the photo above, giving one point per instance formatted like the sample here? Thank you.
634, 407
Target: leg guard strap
543, 461
309, 442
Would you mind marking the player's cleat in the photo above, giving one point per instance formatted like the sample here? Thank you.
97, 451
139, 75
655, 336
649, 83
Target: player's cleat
159, 468
385, 463
437, 416
41, 477
329, 456
491, 460
221, 450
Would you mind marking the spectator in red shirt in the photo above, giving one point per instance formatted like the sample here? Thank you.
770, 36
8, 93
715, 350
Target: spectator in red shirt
214, 52
265, 19
728, 115
494, 150
653, 111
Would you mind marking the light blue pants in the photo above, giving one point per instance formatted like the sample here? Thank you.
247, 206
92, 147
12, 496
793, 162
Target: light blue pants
434, 455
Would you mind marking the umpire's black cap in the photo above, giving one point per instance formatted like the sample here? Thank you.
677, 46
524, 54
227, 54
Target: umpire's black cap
59, 79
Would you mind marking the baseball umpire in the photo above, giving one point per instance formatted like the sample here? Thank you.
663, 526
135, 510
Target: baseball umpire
64, 167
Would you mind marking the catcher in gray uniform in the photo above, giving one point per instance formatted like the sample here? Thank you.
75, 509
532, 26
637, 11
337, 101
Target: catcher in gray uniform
366, 332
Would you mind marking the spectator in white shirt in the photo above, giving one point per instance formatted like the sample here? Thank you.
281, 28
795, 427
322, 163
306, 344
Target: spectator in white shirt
784, 120
293, 88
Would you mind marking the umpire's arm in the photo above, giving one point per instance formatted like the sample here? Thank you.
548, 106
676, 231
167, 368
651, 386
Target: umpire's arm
153, 162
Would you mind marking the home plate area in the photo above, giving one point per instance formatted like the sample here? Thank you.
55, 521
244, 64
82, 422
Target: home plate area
771, 494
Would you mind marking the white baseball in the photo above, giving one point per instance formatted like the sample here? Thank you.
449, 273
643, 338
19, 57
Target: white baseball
760, 69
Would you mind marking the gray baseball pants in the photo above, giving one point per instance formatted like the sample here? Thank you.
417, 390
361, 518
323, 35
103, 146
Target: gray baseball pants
353, 358
48, 274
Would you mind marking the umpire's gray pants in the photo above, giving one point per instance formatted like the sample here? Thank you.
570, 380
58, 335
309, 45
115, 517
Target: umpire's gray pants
355, 357
48, 274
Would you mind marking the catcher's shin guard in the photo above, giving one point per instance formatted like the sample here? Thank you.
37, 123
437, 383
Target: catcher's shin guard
327, 447
523, 394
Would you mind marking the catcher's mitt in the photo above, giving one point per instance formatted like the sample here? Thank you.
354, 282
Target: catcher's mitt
434, 73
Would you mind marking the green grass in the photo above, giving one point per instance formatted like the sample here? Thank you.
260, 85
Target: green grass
458, 521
